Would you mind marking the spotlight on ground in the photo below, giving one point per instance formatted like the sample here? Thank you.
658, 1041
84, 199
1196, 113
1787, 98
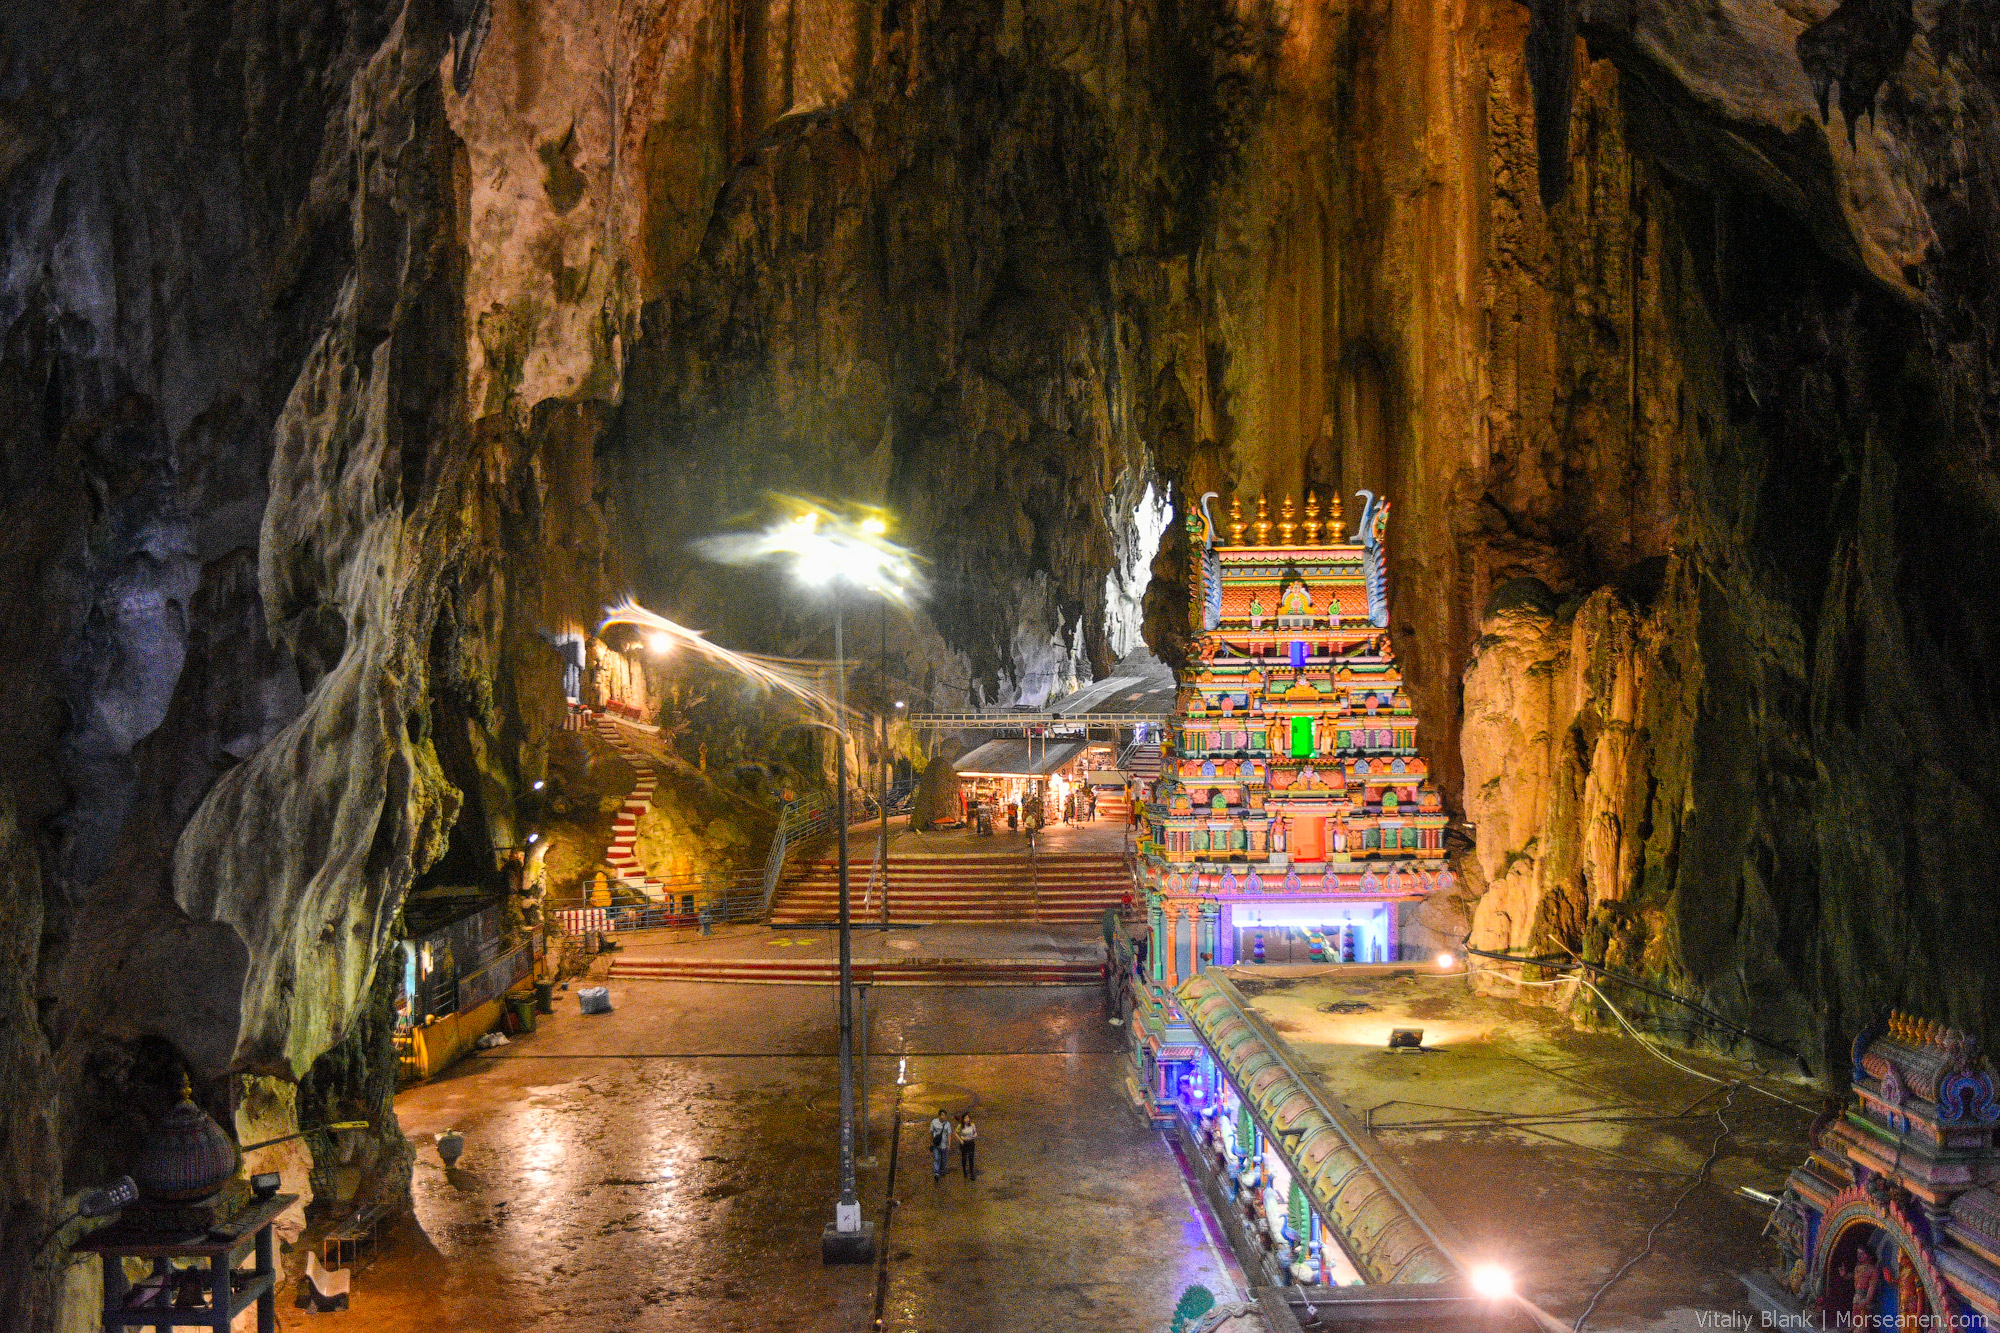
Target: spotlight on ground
1406, 1039
1446, 961
1492, 1281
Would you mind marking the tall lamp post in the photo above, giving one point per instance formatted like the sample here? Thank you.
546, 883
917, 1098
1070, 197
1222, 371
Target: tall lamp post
828, 550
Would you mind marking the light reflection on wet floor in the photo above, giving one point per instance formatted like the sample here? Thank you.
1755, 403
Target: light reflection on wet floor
611, 1182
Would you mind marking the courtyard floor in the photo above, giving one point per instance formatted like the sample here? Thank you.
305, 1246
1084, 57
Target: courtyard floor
670, 1166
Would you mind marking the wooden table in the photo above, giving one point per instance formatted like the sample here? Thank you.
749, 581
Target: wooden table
230, 1292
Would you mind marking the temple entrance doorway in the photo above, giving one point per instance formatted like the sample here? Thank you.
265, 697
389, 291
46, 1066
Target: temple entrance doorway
1314, 933
1864, 1276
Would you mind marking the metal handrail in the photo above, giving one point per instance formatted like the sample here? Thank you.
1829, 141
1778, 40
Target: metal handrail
801, 819
1023, 721
510, 958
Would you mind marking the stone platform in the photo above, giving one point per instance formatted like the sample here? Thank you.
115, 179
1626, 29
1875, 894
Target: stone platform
1553, 1147
995, 954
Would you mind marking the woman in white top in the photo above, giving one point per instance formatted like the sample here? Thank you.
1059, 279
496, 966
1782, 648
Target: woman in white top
968, 1139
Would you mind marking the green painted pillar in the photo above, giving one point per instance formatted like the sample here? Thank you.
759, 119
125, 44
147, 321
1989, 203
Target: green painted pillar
1157, 951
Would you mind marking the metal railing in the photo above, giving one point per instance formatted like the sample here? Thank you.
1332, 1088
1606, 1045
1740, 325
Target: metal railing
716, 896
492, 979
798, 822
804, 820
1037, 722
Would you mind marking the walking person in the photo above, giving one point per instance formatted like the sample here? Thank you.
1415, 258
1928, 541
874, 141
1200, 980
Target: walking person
940, 1141
968, 1139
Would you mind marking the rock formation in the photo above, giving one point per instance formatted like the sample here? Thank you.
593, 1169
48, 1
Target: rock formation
349, 351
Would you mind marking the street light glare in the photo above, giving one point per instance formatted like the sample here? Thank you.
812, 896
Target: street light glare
662, 644
1492, 1281
822, 546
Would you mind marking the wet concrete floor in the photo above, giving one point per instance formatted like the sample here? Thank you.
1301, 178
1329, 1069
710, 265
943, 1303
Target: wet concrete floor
670, 1166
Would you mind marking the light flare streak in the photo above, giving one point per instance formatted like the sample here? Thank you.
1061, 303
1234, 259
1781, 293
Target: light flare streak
782, 675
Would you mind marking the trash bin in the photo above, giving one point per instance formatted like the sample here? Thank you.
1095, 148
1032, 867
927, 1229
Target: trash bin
545, 997
594, 1000
522, 1006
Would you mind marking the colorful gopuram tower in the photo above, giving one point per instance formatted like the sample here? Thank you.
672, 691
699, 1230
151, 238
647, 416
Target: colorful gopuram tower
1293, 813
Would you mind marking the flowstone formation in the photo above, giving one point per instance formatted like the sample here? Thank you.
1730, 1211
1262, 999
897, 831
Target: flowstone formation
349, 352
277, 600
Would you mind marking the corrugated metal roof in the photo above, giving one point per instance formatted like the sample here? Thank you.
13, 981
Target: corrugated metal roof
1140, 683
1018, 758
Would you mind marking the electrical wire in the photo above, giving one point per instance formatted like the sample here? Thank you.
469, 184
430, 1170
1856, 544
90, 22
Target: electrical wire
1701, 1175
1695, 1182
1785, 1101
1518, 981
1574, 963
1637, 1035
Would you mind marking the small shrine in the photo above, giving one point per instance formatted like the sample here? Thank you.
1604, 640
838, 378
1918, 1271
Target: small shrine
1894, 1219
1293, 813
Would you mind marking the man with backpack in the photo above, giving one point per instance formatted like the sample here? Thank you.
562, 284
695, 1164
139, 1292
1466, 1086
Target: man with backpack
940, 1143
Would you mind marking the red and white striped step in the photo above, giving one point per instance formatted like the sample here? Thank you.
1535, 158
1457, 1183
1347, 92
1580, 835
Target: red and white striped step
621, 855
897, 972
1055, 888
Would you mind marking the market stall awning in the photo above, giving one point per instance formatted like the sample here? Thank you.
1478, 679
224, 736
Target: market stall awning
1018, 758
1386, 1226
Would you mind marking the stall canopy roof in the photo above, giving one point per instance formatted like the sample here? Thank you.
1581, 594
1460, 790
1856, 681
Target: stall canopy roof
1018, 758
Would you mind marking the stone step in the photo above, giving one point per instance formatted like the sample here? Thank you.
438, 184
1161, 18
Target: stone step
899, 972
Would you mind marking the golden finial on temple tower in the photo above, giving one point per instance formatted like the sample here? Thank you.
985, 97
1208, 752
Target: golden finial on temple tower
1236, 524
1263, 523
1287, 522
1312, 519
1336, 522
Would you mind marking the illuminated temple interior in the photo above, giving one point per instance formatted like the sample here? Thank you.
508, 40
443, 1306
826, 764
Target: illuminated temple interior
993, 666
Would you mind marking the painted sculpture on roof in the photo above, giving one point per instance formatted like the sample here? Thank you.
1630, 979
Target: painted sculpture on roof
1896, 1212
1211, 606
1374, 530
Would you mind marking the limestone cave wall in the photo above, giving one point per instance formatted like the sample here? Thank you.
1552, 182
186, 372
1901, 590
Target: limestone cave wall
349, 351
276, 599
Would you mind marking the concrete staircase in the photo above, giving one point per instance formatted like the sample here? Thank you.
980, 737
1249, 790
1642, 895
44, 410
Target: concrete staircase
1060, 888
622, 856
1113, 805
1141, 763
896, 972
